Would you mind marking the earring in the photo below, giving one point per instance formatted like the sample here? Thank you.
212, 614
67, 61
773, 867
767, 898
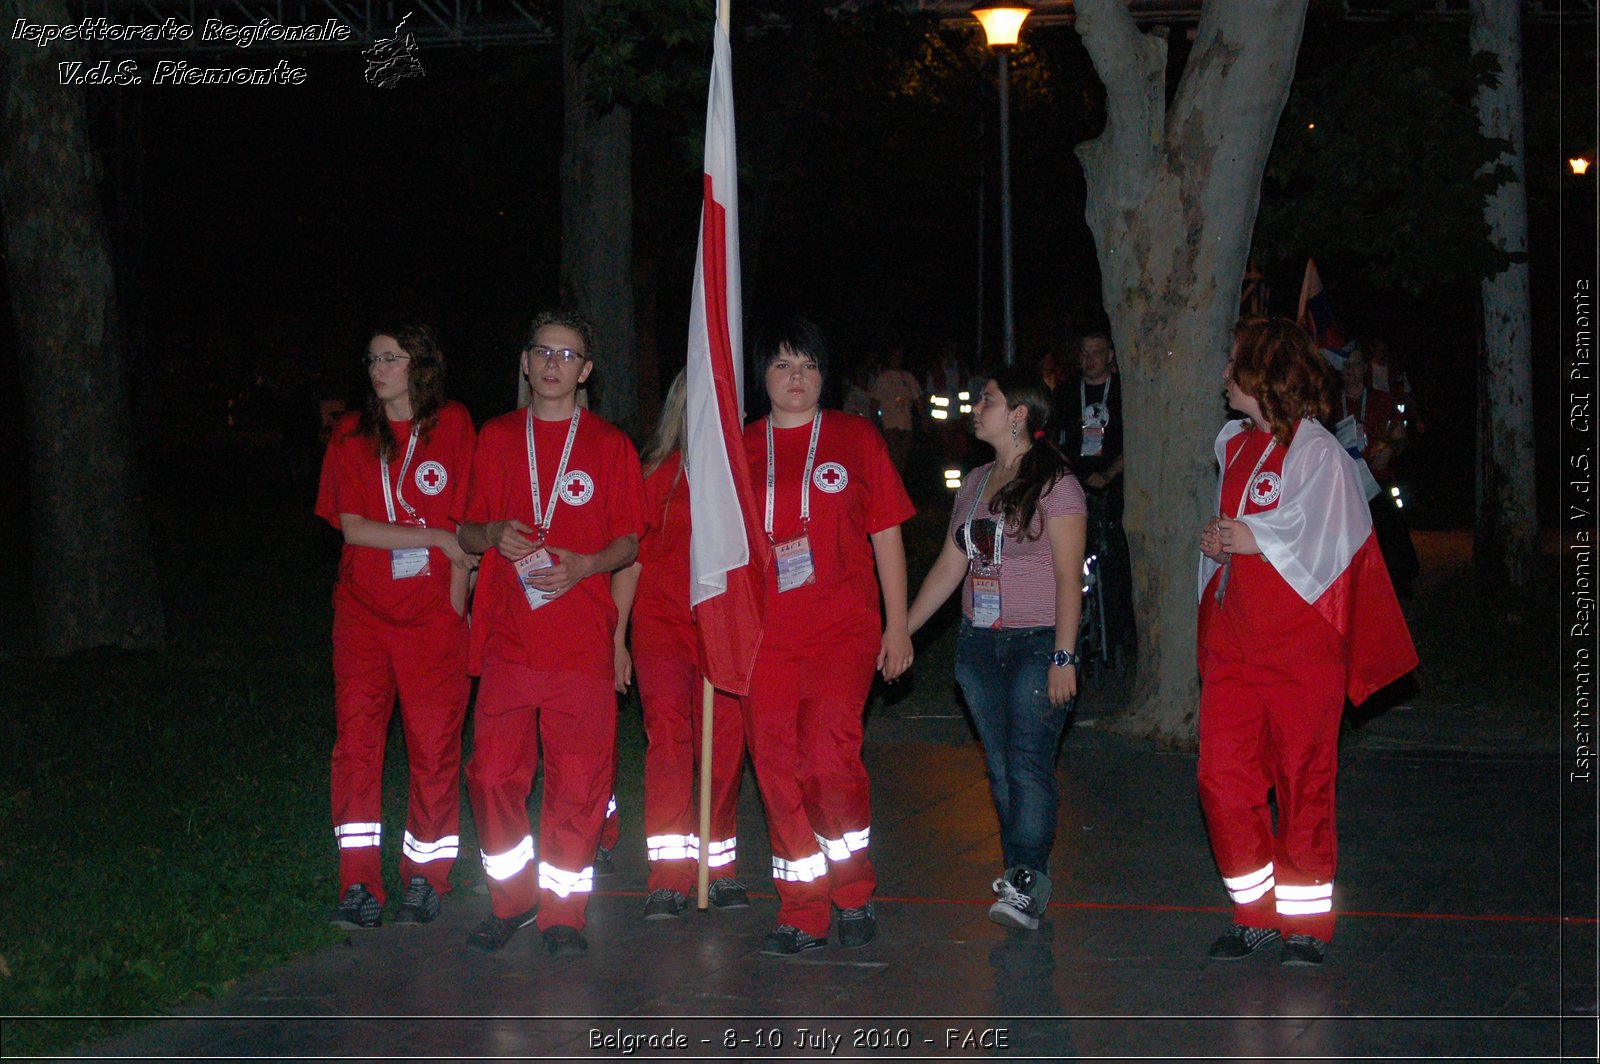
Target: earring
1014, 430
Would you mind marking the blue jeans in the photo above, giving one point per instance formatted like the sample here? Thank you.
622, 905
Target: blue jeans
1004, 674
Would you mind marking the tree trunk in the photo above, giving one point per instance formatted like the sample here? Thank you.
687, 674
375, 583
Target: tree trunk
93, 572
1172, 198
597, 226
1507, 525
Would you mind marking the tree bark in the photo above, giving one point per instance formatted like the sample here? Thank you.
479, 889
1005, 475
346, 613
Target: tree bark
597, 225
94, 577
1172, 199
1507, 526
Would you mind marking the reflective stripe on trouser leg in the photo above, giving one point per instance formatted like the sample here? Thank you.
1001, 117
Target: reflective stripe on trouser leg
363, 701
431, 671
499, 777
1233, 788
834, 787
577, 729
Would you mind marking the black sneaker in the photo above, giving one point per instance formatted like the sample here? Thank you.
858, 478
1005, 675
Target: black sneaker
603, 864
420, 905
857, 926
563, 940
358, 910
786, 941
1240, 941
728, 893
664, 904
496, 931
1303, 950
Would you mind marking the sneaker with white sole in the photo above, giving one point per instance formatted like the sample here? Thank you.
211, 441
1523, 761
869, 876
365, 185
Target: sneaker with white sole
1024, 893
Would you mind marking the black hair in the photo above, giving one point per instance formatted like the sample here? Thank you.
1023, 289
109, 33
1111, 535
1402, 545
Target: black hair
1041, 467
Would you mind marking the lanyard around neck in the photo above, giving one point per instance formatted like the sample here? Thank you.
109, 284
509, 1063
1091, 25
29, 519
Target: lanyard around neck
999, 524
1245, 495
398, 490
543, 518
805, 480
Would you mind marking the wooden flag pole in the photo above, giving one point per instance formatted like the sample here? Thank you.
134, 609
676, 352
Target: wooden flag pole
707, 715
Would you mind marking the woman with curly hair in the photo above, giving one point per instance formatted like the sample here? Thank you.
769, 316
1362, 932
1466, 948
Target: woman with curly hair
393, 471
1296, 614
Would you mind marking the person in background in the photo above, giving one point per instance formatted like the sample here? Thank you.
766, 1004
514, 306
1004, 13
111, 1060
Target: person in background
833, 510
653, 593
1383, 430
1088, 427
897, 396
394, 472
1015, 548
1296, 614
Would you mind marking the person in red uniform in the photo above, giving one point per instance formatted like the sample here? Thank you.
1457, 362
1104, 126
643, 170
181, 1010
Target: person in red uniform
394, 472
1296, 614
833, 509
654, 594
555, 503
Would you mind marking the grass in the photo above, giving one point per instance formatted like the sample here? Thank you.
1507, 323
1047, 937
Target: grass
168, 813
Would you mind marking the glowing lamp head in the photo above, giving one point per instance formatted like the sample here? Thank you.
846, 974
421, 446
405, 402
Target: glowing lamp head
1002, 23
1580, 165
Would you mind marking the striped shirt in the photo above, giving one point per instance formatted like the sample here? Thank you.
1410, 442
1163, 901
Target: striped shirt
1027, 570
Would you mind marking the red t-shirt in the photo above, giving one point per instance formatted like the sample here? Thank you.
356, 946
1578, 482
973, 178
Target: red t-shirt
855, 492
1260, 615
434, 484
602, 498
662, 623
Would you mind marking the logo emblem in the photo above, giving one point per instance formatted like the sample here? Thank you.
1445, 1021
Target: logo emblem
577, 488
1265, 489
830, 477
431, 477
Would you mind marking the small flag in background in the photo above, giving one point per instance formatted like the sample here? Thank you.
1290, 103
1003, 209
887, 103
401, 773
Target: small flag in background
1315, 314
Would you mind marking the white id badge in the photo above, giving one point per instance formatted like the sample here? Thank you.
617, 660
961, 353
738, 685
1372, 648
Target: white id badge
407, 562
1093, 441
795, 568
526, 567
985, 601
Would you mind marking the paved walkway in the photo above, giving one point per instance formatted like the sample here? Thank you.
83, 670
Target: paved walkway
1450, 880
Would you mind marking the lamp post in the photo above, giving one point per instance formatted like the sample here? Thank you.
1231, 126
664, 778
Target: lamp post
1002, 24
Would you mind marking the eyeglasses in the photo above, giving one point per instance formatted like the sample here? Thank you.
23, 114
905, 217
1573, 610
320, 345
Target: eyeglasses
565, 355
371, 360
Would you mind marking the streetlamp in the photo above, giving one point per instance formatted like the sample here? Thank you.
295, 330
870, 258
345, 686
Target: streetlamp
1002, 23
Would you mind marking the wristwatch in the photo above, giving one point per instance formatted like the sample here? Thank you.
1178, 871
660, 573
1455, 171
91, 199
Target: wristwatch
1062, 658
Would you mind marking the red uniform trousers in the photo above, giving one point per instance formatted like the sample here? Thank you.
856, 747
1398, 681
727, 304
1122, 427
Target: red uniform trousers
573, 716
803, 725
426, 664
671, 690
1272, 726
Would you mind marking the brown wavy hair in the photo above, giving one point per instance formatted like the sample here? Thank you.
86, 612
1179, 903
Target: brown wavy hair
1276, 363
1041, 467
424, 381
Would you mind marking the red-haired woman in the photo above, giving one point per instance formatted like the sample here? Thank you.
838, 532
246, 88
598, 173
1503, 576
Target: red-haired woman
393, 471
1296, 613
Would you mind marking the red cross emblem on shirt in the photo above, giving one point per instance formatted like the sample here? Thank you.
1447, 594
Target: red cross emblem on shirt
831, 476
430, 477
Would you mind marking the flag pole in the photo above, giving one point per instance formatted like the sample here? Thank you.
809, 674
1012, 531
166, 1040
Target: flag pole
707, 696
707, 715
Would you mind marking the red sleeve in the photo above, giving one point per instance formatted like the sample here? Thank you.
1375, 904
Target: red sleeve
887, 502
479, 503
337, 490
627, 516
464, 445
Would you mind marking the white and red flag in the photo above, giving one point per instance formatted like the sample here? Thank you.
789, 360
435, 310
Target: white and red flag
1319, 538
728, 551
